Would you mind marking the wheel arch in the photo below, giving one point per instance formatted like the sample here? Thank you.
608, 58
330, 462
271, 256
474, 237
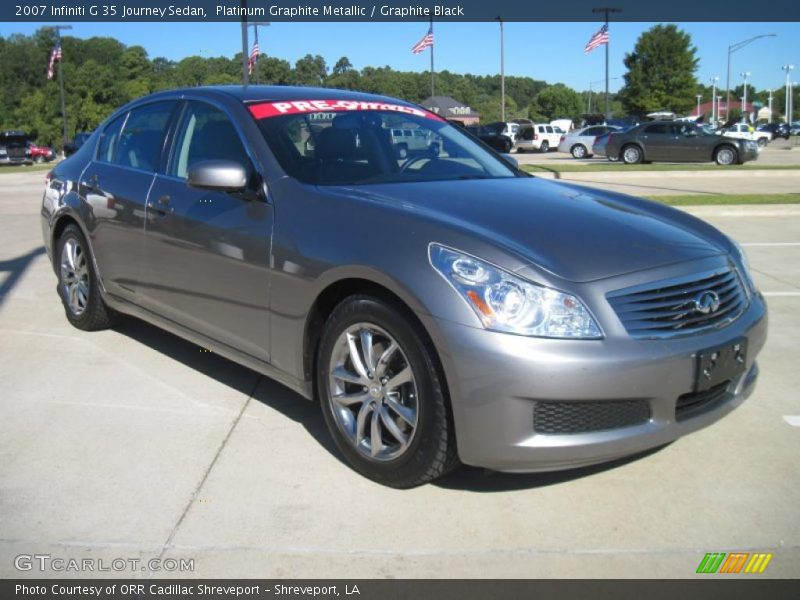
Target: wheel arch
337, 291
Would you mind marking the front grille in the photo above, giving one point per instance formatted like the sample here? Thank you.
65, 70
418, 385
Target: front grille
667, 308
696, 403
558, 418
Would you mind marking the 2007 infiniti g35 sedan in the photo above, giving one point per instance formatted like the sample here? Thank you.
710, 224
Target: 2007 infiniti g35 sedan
442, 305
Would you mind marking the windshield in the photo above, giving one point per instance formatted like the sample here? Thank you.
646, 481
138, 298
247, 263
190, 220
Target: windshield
354, 143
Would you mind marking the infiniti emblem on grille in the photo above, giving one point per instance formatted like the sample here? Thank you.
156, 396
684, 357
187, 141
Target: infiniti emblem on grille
706, 302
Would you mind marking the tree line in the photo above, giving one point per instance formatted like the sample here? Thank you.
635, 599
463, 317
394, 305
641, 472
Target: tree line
101, 74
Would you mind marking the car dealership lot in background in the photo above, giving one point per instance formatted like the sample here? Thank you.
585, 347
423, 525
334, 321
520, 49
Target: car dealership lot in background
134, 443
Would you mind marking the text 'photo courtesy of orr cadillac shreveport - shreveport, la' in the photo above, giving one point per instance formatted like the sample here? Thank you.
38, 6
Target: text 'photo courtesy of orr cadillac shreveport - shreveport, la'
443, 305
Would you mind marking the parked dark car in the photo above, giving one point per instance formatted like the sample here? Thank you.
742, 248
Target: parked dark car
75, 144
492, 136
778, 130
678, 141
14, 148
441, 308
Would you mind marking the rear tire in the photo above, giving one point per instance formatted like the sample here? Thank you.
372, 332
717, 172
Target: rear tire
397, 434
762, 142
545, 147
78, 284
631, 154
579, 151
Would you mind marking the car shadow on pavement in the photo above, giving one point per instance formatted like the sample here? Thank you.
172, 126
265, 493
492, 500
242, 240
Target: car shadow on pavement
15, 267
244, 380
292, 405
474, 479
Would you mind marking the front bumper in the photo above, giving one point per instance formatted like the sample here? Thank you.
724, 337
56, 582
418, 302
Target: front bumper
496, 380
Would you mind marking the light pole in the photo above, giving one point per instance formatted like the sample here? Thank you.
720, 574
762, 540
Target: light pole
502, 73
714, 115
591, 93
699, 97
788, 69
731, 49
745, 75
770, 106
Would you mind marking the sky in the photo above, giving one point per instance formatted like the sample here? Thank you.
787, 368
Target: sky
549, 51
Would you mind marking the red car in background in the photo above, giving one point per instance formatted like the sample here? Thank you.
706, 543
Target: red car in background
40, 154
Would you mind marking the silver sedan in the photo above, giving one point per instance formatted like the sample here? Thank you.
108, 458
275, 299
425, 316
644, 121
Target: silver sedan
579, 142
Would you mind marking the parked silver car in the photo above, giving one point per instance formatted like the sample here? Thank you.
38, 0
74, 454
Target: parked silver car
441, 308
580, 141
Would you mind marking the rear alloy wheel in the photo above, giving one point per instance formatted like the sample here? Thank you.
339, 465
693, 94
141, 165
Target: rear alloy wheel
631, 155
725, 156
578, 151
381, 396
545, 147
78, 284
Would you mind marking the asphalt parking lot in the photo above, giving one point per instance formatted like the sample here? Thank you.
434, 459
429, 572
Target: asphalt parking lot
132, 443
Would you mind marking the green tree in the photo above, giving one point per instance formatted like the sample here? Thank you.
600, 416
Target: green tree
310, 70
661, 72
557, 101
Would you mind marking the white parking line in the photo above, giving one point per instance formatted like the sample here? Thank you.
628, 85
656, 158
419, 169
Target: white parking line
793, 420
752, 244
778, 294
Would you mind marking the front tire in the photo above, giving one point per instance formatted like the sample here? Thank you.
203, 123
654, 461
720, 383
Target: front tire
78, 284
381, 395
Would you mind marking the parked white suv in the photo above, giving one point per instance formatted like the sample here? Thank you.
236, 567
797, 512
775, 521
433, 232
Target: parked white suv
411, 141
539, 136
741, 131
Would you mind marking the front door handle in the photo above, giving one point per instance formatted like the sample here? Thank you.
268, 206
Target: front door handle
161, 206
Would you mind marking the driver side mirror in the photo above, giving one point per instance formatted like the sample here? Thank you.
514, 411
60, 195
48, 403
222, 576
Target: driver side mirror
220, 175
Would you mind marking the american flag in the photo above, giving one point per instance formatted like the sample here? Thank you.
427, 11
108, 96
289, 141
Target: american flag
426, 41
254, 54
598, 39
54, 56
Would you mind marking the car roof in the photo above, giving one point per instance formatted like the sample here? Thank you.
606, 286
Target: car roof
276, 93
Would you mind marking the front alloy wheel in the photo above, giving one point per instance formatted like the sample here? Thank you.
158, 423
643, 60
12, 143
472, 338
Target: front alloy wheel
373, 392
726, 156
381, 394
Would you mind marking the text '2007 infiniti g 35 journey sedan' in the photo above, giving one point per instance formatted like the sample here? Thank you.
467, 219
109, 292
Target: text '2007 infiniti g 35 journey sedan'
442, 305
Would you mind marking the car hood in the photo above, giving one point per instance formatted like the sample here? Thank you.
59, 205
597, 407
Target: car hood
575, 233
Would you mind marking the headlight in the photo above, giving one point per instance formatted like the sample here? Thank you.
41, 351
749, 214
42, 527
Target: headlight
507, 303
743, 266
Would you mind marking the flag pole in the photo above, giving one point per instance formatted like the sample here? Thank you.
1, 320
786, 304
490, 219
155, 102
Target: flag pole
606, 11
245, 49
433, 76
58, 29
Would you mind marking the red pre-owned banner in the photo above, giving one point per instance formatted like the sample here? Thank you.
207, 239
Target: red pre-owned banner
263, 110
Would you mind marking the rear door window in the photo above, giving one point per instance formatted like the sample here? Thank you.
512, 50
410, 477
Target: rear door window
142, 138
657, 129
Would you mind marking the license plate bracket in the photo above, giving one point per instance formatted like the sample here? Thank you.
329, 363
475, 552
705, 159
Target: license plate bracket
720, 364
